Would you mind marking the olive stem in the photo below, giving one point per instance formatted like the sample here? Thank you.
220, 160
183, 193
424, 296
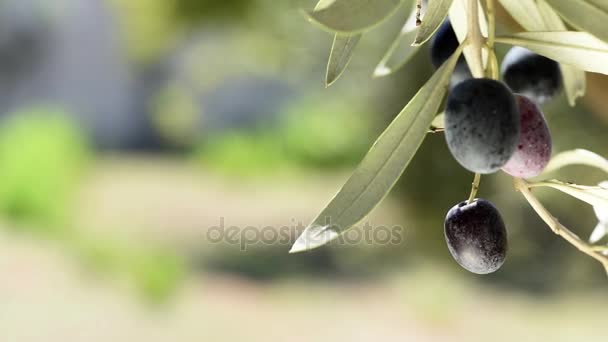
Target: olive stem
492, 67
491, 23
559, 229
474, 187
475, 38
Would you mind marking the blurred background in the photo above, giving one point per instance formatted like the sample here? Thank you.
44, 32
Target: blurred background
135, 134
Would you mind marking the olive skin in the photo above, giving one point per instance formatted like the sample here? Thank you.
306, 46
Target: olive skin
443, 44
481, 124
532, 75
476, 236
534, 148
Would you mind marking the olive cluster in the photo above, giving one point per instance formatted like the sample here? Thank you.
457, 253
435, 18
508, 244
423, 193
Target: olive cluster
489, 126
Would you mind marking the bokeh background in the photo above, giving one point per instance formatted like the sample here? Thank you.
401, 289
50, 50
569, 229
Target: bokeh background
129, 129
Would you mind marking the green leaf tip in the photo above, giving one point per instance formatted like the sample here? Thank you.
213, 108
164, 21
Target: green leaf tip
313, 237
434, 16
341, 53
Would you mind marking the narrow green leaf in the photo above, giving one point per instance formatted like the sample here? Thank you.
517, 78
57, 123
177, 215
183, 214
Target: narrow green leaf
601, 229
598, 233
382, 166
339, 57
322, 4
594, 195
575, 82
551, 21
458, 17
434, 16
577, 157
579, 49
526, 13
352, 16
601, 4
401, 50
584, 15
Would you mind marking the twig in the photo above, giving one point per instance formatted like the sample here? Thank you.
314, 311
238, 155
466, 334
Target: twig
475, 38
491, 23
559, 229
474, 187
492, 67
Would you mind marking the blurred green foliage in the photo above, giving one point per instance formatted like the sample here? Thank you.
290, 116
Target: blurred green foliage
153, 272
326, 134
42, 155
147, 27
198, 10
157, 274
242, 153
310, 135
151, 28
175, 115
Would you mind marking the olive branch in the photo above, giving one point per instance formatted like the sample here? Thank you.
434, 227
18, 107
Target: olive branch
474, 24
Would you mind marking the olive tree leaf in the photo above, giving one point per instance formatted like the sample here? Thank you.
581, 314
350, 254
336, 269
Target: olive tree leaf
401, 50
594, 195
339, 57
341, 51
526, 13
575, 82
579, 49
601, 229
584, 15
351, 16
550, 20
399, 53
598, 233
323, 4
434, 16
601, 4
577, 157
383, 164
458, 17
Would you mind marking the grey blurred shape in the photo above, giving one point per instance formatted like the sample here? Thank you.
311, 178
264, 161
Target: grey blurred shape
68, 54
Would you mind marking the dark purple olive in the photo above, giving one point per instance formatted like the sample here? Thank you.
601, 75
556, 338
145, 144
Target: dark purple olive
532, 75
476, 236
443, 45
481, 124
